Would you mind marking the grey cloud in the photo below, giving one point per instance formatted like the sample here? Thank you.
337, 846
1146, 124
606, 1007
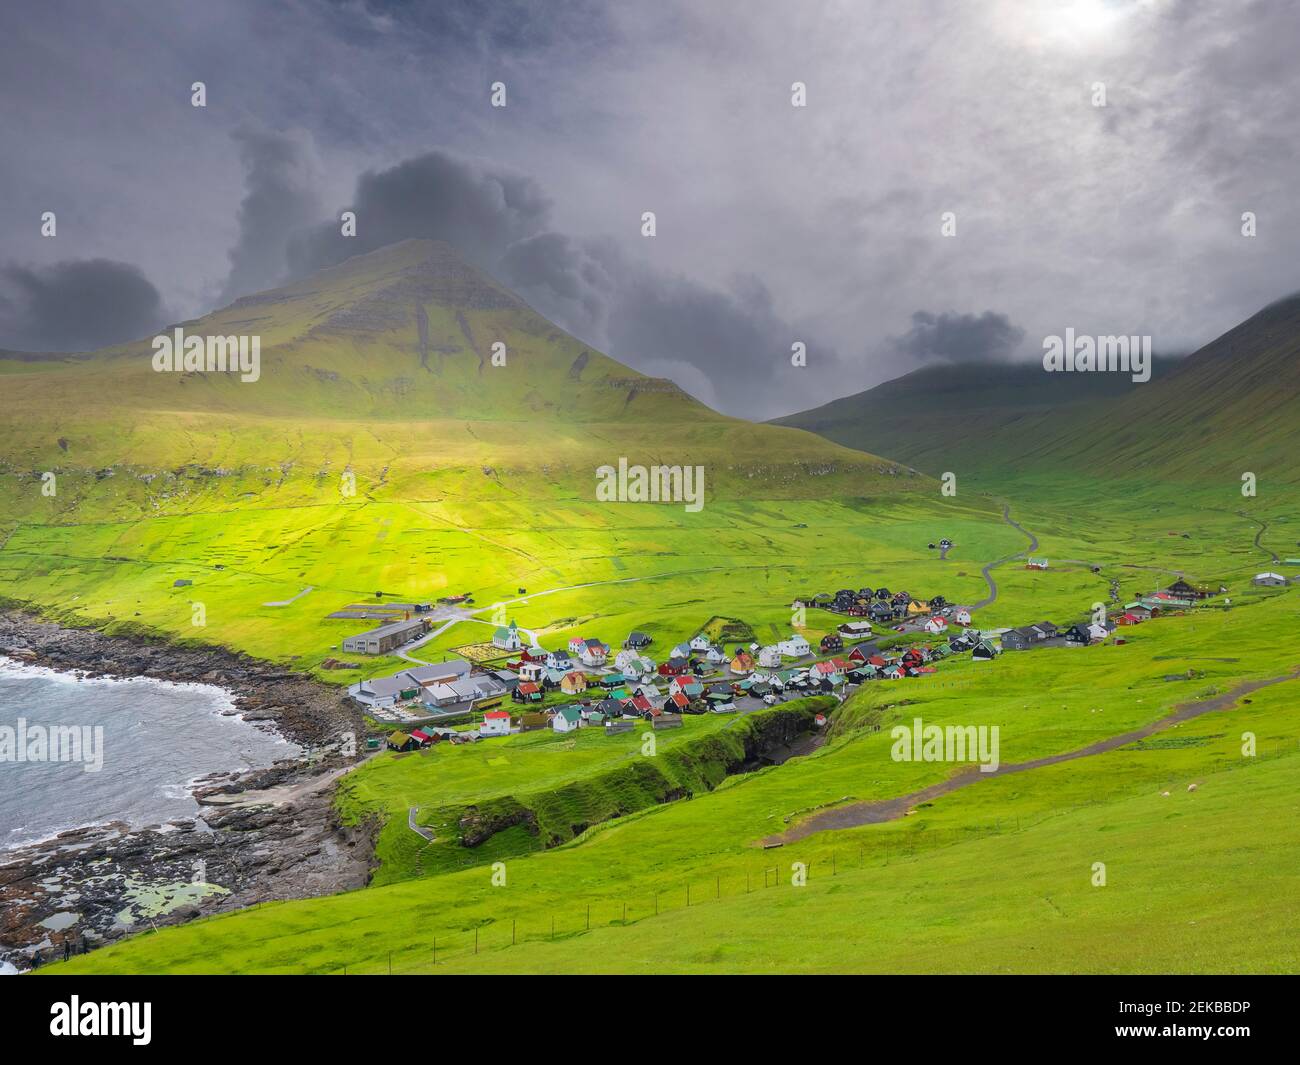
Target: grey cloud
480, 210
950, 337
76, 305
281, 180
726, 344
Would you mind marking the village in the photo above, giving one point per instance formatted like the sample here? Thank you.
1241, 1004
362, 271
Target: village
513, 685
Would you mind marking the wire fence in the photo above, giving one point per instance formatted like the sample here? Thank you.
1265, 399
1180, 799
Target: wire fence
796, 870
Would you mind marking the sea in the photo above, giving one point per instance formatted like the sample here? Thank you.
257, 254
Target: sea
140, 744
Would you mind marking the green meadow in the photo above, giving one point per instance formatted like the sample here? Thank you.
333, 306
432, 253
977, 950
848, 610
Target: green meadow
377, 462
1003, 867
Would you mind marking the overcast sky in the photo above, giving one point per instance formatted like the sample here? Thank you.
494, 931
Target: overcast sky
775, 223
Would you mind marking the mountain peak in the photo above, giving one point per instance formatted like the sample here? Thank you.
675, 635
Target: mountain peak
407, 272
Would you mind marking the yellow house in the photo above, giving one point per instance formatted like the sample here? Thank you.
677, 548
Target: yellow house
573, 682
917, 606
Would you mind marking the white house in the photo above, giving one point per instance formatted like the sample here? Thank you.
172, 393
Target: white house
558, 660
629, 662
1269, 580
935, 626
963, 616
769, 657
566, 718
714, 657
531, 672
794, 647
700, 643
507, 638
682, 650
576, 645
593, 653
495, 723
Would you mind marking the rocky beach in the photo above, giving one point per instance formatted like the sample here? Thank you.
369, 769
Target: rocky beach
260, 834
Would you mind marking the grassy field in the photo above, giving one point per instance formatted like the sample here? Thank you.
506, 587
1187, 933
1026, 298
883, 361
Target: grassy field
477, 479
1003, 866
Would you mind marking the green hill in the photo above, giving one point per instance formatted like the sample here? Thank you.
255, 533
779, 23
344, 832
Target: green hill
381, 448
1231, 407
383, 365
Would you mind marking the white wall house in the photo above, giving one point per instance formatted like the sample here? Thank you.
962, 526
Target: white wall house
495, 723
700, 643
794, 647
769, 657
566, 719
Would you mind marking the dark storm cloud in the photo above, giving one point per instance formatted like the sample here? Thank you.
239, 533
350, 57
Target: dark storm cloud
727, 345
76, 305
950, 337
574, 283
1117, 219
480, 210
281, 183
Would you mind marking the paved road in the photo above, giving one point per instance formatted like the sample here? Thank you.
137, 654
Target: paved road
294, 599
987, 571
410, 822
1263, 528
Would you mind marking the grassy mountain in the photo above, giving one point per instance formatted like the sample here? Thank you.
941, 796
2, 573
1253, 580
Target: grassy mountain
378, 375
382, 365
1232, 406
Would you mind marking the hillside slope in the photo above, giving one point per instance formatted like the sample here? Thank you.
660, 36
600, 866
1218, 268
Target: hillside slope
382, 365
1232, 406
381, 449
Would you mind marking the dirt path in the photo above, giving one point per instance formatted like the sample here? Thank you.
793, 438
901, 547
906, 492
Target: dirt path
878, 811
987, 571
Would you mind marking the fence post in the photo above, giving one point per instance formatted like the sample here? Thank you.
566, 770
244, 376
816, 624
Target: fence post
589, 917
476, 939
717, 887
435, 950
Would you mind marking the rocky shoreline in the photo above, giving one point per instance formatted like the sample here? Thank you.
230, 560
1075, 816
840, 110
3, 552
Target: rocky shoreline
263, 834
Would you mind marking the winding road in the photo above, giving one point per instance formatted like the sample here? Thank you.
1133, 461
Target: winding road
1263, 528
987, 571
877, 812
410, 823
